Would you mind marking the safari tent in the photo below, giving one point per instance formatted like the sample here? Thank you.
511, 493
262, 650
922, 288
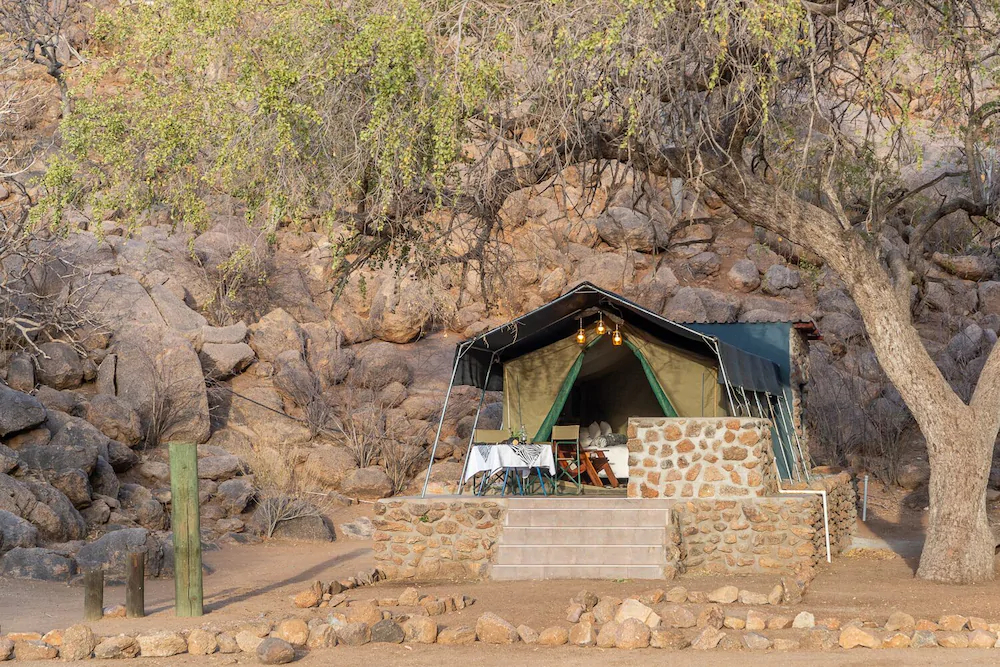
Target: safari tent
594, 357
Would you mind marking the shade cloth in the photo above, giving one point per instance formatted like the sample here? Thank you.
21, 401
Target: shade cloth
521, 458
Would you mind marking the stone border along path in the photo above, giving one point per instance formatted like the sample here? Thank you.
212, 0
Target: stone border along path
655, 618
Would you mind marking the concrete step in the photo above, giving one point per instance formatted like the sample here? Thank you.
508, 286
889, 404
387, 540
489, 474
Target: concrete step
584, 517
584, 502
539, 572
581, 554
591, 535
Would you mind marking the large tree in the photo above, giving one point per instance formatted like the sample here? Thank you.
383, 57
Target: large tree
407, 125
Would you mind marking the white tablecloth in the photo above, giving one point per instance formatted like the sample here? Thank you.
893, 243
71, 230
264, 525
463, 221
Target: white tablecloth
521, 458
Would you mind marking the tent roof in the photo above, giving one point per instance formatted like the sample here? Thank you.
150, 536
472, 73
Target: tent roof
560, 318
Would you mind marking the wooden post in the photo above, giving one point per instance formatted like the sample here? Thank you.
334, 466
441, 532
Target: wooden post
135, 592
93, 595
186, 525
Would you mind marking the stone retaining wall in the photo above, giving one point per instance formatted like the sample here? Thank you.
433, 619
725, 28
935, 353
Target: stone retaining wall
431, 539
701, 457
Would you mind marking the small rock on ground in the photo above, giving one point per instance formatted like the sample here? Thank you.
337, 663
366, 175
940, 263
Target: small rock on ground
274, 651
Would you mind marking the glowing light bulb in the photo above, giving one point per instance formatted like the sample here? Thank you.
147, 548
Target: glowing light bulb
616, 337
581, 336
601, 329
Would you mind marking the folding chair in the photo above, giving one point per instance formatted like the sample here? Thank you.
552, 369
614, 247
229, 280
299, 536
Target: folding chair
566, 449
597, 461
483, 436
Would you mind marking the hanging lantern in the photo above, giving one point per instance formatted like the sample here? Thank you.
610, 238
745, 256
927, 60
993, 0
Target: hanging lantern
581, 335
601, 329
616, 337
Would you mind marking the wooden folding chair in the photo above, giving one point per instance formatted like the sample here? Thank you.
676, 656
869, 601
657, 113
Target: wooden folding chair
566, 450
596, 460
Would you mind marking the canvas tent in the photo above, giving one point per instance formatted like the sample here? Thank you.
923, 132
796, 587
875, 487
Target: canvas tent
662, 368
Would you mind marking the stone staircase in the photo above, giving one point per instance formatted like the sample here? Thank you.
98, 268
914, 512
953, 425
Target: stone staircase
582, 538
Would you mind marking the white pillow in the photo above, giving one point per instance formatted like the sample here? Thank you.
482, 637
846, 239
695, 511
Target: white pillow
595, 430
585, 439
605, 428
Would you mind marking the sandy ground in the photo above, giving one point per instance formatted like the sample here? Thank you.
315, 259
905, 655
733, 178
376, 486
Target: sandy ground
247, 583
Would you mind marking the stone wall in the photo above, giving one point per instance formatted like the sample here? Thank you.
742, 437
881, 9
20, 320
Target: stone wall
798, 349
701, 457
432, 539
843, 510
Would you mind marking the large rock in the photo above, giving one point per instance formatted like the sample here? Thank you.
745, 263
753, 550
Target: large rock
492, 629
989, 298
121, 457
704, 265
371, 482
78, 643
219, 468
119, 301
610, 271
37, 563
117, 648
44, 506
310, 528
58, 365
234, 333
114, 418
223, 360
235, 494
631, 634
381, 363
969, 267
694, 304
110, 553
401, 309
16, 532
18, 411
329, 362
275, 333
274, 651
743, 276
21, 373
622, 227
161, 644
174, 311
8, 459
779, 279
328, 466
158, 373
294, 379
75, 446
74, 484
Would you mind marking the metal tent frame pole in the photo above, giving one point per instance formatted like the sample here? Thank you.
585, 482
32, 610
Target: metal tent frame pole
444, 409
475, 423
795, 435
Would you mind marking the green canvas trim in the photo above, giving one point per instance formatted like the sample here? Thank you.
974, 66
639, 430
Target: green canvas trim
661, 396
545, 430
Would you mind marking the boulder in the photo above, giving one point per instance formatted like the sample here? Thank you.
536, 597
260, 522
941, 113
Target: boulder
527, 634
234, 333
224, 360
117, 648
361, 528
275, 333
18, 411
235, 494
554, 636
219, 468
371, 482
120, 457
387, 631
161, 644
322, 635
74, 484
174, 311
743, 276
34, 649
401, 309
78, 643
853, 636
674, 640
622, 227
37, 563
54, 515
72, 448
492, 629
724, 595
329, 465
312, 528
631, 634
8, 459
58, 365
202, 642
16, 532
420, 630
707, 639
274, 651
779, 279
989, 299
158, 373
21, 373
114, 418
110, 553
968, 267
676, 616
295, 631
835, 300
457, 636
632, 608
610, 271
381, 363
354, 634
294, 379
704, 265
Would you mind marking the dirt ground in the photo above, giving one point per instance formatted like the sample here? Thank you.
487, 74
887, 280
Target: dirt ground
252, 582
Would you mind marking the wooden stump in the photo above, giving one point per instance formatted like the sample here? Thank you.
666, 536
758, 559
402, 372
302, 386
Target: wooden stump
135, 592
93, 595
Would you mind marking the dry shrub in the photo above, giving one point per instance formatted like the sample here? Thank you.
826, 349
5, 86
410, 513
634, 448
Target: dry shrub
283, 491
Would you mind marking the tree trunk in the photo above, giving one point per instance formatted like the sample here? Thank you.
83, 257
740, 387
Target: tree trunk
960, 544
959, 547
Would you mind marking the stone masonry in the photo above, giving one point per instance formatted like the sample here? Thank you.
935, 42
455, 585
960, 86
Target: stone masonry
685, 458
433, 539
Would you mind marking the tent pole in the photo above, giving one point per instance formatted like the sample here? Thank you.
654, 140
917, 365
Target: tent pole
444, 409
795, 435
777, 434
779, 419
725, 378
475, 423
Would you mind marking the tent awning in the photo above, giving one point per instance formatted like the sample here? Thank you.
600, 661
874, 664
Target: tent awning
560, 319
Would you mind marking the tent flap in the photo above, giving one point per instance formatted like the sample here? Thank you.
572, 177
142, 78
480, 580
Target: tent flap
748, 371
